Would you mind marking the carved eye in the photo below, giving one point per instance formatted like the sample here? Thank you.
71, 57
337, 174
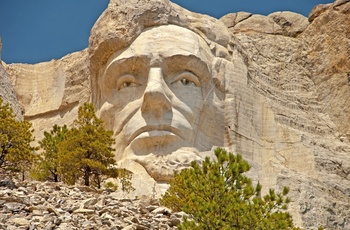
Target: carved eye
187, 82
187, 79
127, 84
126, 81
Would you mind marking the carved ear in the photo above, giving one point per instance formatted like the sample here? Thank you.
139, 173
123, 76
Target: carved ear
221, 68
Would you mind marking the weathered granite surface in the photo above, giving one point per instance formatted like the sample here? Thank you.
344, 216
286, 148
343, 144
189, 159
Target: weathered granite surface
285, 84
7, 92
51, 92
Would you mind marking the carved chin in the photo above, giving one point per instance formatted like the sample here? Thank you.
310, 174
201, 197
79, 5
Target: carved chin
161, 167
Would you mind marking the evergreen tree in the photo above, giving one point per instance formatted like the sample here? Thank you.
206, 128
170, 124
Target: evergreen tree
87, 153
16, 153
218, 195
48, 165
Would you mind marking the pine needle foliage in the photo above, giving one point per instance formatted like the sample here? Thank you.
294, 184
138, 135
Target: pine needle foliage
86, 153
47, 169
217, 195
16, 153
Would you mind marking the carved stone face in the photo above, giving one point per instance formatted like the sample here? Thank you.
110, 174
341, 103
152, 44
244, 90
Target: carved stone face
154, 94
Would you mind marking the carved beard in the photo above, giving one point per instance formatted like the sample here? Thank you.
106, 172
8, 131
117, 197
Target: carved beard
161, 167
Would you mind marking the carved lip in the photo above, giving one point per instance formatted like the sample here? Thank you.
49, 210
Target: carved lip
165, 129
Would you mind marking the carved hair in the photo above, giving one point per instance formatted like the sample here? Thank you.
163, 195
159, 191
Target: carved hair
126, 22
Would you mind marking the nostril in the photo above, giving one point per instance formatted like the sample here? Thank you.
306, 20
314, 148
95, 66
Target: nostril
155, 102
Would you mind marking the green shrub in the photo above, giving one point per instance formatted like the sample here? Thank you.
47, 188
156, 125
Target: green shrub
16, 152
217, 195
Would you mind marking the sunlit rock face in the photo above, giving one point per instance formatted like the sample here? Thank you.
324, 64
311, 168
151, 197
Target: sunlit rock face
158, 96
51, 92
7, 92
158, 81
173, 84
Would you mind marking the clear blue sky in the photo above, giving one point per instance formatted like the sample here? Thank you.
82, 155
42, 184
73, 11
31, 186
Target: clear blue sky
40, 30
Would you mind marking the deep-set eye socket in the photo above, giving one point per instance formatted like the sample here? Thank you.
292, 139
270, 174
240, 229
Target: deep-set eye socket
186, 79
127, 81
187, 82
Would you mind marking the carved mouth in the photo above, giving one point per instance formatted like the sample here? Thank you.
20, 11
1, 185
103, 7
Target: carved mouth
155, 131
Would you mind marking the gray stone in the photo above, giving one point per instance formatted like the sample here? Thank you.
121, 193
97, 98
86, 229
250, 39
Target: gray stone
106, 216
20, 221
8, 183
162, 210
89, 202
37, 213
174, 221
84, 211
131, 219
340, 2
291, 23
150, 208
14, 206
22, 189
8, 94
257, 23
318, 10
51, 209
232, 19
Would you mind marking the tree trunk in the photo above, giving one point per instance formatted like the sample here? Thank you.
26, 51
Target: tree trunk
54, 174
22, 175
98, 181
87, 176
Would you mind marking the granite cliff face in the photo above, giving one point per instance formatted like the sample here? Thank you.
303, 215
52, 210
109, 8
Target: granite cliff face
294, 112
7, 92
286, 93
51, 92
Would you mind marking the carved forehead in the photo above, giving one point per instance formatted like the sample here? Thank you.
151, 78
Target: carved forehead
166, 41
123, 21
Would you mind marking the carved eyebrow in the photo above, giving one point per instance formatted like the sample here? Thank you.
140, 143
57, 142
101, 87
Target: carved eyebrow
133, 61
191, 63
118, 67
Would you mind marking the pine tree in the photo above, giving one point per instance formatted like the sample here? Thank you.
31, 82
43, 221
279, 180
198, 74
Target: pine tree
16, 153
218, 195
47, 168
87, 152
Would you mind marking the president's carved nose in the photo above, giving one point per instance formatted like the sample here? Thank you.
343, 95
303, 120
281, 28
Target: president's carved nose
155, 98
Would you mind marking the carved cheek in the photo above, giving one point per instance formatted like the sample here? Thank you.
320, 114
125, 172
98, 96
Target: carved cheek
121, 98
188, 101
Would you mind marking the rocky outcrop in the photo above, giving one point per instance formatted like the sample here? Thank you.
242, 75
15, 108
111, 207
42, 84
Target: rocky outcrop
7, 92
278, 23
294, 112
326, 42
51, 92
36, 205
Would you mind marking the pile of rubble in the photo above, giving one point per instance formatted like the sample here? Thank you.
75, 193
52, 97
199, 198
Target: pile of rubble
36, 205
